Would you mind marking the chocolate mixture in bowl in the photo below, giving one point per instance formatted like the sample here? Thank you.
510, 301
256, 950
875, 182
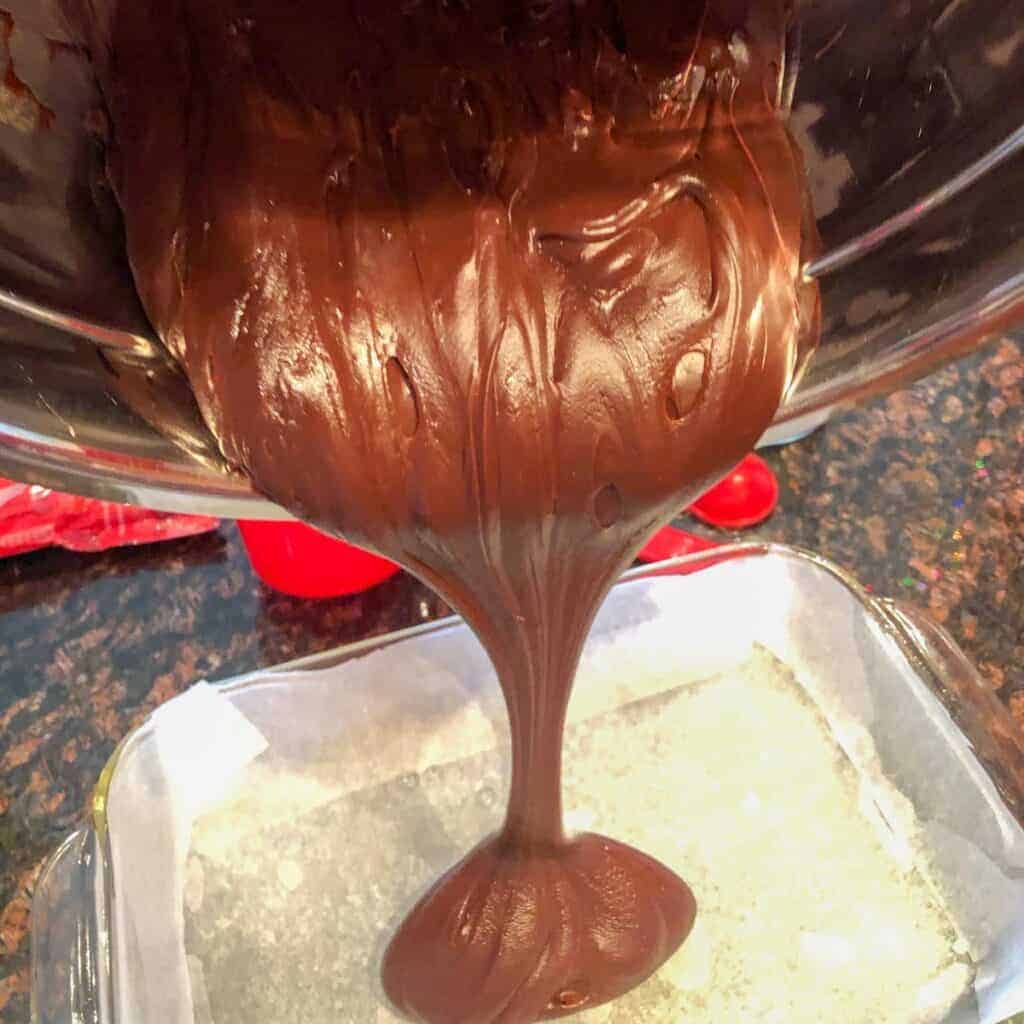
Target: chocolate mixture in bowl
493, 289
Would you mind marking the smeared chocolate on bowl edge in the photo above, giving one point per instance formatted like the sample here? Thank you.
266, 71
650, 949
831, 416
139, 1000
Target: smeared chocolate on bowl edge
492, 289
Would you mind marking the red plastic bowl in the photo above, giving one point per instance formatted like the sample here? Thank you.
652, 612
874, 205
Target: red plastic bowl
303, 562
671, 542
745, 498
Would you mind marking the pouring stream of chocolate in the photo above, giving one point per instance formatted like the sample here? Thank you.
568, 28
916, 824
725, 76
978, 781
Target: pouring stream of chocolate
492, 289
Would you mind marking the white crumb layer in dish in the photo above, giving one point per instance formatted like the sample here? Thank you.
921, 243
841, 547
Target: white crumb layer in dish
812, 887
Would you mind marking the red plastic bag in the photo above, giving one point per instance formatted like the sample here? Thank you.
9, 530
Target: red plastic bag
33, 517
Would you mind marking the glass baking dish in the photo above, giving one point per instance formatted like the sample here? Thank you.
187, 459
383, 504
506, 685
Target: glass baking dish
333, 758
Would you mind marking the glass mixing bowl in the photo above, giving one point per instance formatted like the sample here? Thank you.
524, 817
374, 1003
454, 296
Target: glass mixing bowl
907, 112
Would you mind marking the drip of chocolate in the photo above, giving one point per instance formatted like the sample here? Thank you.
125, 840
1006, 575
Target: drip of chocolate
492, 289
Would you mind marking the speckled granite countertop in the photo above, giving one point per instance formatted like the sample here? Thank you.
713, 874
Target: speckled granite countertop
920, 495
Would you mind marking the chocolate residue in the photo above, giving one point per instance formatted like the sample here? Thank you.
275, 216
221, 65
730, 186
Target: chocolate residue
493, 290
19, 106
